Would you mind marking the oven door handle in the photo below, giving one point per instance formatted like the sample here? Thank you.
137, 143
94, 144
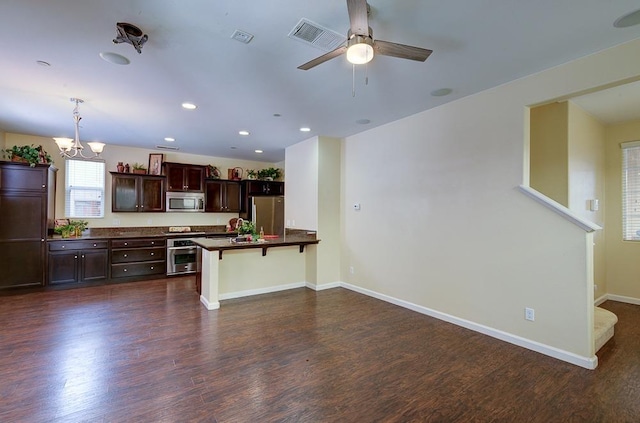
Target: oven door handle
183, 248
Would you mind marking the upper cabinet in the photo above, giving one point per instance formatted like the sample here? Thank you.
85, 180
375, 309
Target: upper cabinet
184, 177
137, 193
222, 196
257, 188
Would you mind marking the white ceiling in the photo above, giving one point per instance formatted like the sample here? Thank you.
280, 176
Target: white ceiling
191, 57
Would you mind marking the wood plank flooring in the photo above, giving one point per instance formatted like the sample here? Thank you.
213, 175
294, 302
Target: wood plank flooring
149, 352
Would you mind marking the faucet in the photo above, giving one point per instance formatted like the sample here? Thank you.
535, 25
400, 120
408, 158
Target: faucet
239, 223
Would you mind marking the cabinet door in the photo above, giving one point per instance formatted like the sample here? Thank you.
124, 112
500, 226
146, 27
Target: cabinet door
22, 216
23, 178
124, 196
22, 263
94, 265
193, 178
151, 194
213, 196
232, 195
63, 267
175, 177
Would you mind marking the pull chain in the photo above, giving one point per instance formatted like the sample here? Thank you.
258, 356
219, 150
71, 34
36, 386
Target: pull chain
353, 81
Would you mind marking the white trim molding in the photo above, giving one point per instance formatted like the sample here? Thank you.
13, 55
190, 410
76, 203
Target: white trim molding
208, 305
250, 292
623, 299
559, 208
586, 362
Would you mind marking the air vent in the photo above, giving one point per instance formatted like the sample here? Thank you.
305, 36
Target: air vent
167, 147
313, 34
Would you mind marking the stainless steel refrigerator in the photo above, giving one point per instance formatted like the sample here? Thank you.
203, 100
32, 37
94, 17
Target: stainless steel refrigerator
268, 213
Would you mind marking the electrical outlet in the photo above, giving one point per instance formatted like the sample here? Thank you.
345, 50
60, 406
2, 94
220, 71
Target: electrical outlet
595, 287
529, 314
352, 270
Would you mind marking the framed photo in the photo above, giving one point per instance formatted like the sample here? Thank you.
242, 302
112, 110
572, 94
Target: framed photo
155, 164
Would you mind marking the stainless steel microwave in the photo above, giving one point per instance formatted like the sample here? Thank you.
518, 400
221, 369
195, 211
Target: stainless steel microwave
185, 202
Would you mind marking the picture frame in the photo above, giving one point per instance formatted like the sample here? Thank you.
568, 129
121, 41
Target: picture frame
155, 163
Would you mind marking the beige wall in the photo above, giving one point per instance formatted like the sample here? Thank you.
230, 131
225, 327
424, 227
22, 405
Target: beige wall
623, 257
586, 140
114, 154
549, 151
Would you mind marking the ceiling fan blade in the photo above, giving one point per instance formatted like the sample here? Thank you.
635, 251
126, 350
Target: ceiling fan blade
358, 17
402, 51
318, 60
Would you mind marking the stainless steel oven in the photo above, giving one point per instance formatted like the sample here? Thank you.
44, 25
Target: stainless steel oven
183, 256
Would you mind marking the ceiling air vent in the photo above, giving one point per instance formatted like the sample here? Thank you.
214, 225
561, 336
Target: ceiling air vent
166, 147
313, 34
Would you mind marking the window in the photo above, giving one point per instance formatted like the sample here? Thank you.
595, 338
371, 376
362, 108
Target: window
631, 191
84, 188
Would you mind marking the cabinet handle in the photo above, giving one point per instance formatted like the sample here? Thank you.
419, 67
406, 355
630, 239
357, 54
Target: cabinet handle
95, 245
151, 267
152, 253
153, 243
75, 257
126, 243
83, 256
124, 255
42, 239
124, 270
63, 246
44, 186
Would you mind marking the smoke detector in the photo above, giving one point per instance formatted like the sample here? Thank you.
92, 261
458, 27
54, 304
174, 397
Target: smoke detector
130, 34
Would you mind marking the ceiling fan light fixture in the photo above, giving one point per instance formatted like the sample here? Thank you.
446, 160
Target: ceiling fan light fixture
360, 50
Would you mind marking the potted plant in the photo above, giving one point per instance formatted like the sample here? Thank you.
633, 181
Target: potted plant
28, 154
213, 172
269, 174
78, 226
246, 228
139, 169
252, 174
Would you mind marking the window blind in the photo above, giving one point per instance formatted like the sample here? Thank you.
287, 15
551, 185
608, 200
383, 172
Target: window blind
84, 188
631, 191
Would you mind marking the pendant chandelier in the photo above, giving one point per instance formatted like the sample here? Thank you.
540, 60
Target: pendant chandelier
71, 148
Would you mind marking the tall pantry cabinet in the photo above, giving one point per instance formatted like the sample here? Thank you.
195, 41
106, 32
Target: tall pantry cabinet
27, 207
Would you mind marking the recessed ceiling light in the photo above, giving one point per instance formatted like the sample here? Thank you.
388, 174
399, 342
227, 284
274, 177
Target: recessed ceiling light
114, 58
43, 63
630, 19
363, 121
189, 106
277, 115
169, 139
233, 148
441, 92
245, 133
258, 151
305, 129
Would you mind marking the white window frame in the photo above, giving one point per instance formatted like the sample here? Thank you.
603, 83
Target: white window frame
95, 185
630, 190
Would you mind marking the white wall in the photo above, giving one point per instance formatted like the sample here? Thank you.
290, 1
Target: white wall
301, 185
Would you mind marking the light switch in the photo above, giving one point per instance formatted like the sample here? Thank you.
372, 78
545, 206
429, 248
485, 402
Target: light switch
356, 206
594, 204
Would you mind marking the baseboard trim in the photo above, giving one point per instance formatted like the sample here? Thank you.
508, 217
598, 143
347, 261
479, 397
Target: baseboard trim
250, 292
600, 300
623, 299
586, 362
324, 286
208, 305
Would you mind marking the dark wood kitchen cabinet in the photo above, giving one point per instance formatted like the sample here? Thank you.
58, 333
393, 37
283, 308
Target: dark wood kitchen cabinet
137, 193
184, 177
258, 188
77, 261
222, 196
27, 207
138, 257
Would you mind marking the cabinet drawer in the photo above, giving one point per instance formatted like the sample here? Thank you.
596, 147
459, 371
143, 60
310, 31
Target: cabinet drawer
135, 243
138, 254
138, 269
76, 245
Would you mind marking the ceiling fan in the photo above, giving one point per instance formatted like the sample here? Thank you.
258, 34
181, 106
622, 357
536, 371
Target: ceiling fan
361, 46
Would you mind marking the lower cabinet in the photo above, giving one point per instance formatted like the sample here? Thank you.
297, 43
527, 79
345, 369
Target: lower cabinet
77, 261
138, 257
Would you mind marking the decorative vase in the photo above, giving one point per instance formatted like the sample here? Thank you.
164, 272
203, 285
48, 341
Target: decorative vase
120, 167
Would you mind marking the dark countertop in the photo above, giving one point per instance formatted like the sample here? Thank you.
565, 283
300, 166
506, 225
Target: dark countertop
296, 238
147, 232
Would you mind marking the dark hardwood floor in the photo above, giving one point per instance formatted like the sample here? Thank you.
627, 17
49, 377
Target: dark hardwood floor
150, 352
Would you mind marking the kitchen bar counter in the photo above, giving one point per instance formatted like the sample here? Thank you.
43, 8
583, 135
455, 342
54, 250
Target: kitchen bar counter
247, 268
148, 232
